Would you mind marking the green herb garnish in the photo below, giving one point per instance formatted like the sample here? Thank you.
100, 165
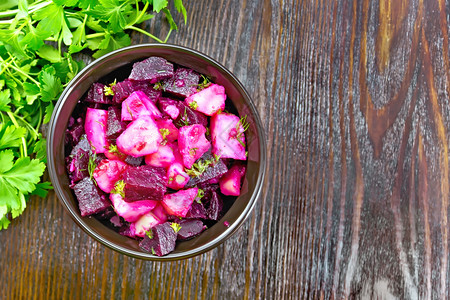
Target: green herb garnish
119, 187
199, 167
241, 126
108, 89
204, 84
183, 120
164, 133
175, 226
193, 105
92, 165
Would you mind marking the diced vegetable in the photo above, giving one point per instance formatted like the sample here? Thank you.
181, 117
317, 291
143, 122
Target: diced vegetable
142, 137
152, 69
114, 125
95, 127
145, 223
192, 143
168, 131
188, 116
108, 172
96, 94
132, 211
209, 100
179, 203
177, 177
138, 105
189, 229
91, 200
162, 241
227, 134
144, 182
160, 213
163, 157
125, 88
230, 183
183, 83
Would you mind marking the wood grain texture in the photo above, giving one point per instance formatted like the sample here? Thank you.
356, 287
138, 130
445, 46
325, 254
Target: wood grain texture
354, 97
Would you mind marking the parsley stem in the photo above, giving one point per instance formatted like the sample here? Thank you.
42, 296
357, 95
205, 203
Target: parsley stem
21, 72
23, 148
146, 33
31, 9
95, 35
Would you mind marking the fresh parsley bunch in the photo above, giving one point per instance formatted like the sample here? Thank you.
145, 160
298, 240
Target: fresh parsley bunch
37, 42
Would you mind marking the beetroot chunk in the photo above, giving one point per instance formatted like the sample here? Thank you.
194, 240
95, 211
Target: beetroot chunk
227, 134
183, 83
131, 211
108, 172
189, 229
215, 205
77, 165
96, 94
95, 127
142, 137
162, 241
145, 223
137, 105
192, 143
91, 200
209, 100
230, 183
214, 170
152, 69
197, 211
179, 203
144, 182
125, 88
114, 125
188, 116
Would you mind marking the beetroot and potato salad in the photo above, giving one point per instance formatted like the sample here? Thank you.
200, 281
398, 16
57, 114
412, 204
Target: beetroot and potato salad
157, 156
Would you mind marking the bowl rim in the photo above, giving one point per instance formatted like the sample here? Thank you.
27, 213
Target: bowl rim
142, 255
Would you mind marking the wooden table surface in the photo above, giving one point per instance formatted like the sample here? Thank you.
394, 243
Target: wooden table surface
354, 97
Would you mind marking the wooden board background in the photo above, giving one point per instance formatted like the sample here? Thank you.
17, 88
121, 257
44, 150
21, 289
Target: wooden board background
354, 97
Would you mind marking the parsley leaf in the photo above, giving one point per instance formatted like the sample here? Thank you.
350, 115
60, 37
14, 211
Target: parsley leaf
11, 136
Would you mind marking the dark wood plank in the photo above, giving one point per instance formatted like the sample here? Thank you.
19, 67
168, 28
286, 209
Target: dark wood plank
354, 97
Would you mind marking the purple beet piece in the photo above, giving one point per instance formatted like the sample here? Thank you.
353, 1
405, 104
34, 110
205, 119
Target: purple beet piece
197, 211
189, 229
125, 88
162, 242
183, 83
96, 94
144, 183
215, 205
73, 134
77, 165
152, 69
114, 126
134, 161
215, 170
83, 144
188, 116
91, 200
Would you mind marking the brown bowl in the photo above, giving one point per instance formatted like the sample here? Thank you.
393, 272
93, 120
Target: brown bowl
117, 64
